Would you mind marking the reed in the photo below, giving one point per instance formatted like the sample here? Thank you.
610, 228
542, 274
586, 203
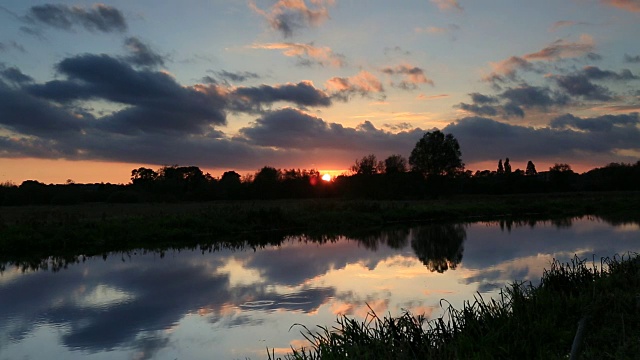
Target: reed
524, 322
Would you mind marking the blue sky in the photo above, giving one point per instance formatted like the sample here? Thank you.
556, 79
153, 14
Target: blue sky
90, 91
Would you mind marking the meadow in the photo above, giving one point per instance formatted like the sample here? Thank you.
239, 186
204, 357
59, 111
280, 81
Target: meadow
29, 234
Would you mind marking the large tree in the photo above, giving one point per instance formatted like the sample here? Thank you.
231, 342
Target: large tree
437, 154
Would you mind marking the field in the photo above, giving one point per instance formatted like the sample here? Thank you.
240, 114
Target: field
31, 233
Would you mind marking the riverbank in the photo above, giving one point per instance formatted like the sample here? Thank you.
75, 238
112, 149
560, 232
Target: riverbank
581, 309
39, 232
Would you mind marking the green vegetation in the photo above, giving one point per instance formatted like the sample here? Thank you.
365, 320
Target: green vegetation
527, 322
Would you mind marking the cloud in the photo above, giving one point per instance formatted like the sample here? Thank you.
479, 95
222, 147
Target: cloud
580, 86
450, 29
629, 5
289, 15
156, 101
632, 59
303, 93
561, 49
14, 75
100, 17
293, 129
507, 69
11, 45
240, 76
594, 72
513, 101
433, 97
23, 113
307, 54
489, 139
447, 4
605, 123
484, 110
362, 83
141, 53
413, 76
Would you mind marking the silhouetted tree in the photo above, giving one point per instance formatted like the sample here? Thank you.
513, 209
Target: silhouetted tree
437, 154
265, 182
143, 175
395, 164
439, 246
368, 165
560, 168
562, 177
531, 169
507, 166
230, 185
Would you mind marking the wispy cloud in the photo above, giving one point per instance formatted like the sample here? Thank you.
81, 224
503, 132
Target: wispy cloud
558, 50
561, 48
141, 53
362, 83
447, 4
100, 17
412, 76
629, 5
306, 53
288, 15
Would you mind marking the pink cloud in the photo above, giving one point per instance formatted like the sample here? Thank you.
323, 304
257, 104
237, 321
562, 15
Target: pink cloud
322, 55
447, 4
364, 82
629, 5
287, 15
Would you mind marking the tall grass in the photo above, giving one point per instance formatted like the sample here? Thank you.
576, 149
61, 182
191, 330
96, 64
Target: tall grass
524, 322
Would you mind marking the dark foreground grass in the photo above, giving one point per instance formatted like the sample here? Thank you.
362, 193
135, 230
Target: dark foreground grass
527, 322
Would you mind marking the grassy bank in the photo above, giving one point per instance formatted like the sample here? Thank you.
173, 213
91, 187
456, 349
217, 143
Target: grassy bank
38, 232
580, 310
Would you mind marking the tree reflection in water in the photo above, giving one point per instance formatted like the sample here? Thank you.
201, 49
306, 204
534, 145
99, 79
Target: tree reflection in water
439, 246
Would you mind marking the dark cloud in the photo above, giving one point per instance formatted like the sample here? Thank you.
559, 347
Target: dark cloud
100, 17
157, 102
569, 137
527, 96
483, 99
141, 53
294, 129
579, 85
632, 59
302, 93
594, 72
29, 115
240, 76
484, 110
14, 75
605, 123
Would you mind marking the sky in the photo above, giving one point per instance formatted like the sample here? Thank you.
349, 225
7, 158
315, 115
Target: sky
90, 91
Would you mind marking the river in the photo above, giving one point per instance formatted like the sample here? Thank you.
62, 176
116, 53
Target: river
234, 304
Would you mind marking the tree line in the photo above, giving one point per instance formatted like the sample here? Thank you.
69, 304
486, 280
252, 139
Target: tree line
434, 168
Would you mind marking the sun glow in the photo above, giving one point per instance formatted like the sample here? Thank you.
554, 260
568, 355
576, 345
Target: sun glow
326, 177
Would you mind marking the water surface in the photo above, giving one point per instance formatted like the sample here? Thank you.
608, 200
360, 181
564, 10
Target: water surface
233, 304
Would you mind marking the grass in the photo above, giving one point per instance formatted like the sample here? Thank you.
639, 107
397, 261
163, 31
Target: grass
526, 322
33, 233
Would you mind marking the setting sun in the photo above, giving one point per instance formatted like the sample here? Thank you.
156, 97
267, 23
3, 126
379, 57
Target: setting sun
326, 177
